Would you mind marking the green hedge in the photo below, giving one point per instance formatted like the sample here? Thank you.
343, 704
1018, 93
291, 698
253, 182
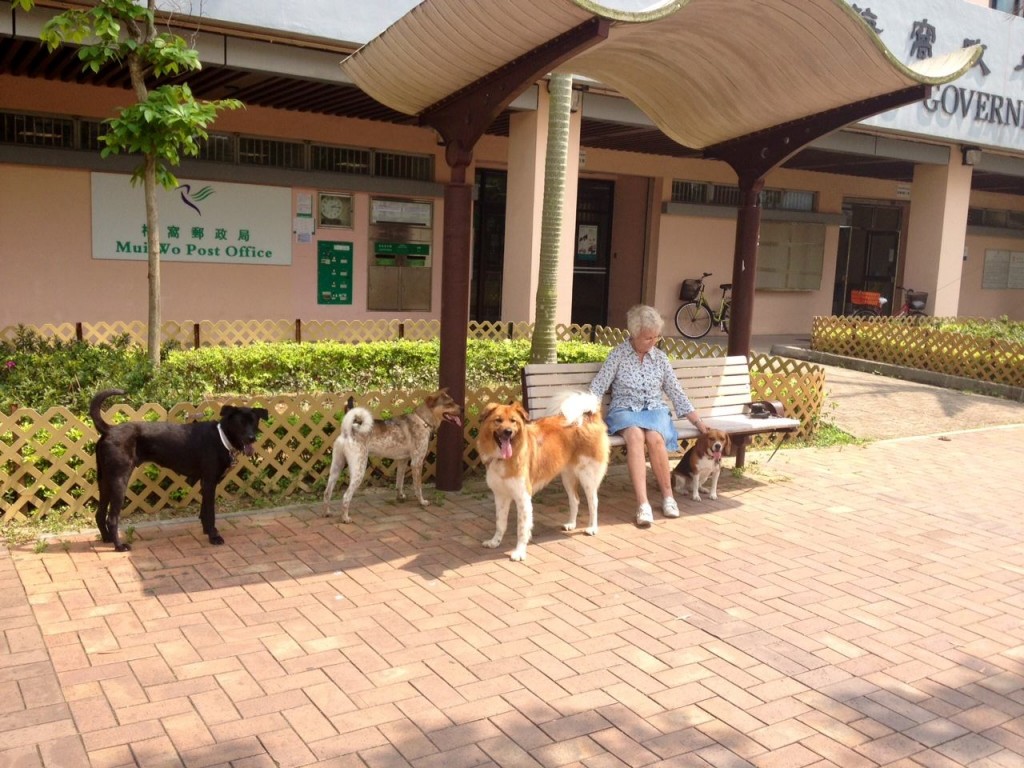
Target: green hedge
1001, 328
39, 373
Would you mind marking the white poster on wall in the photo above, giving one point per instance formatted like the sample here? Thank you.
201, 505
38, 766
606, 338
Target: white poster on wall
207, 221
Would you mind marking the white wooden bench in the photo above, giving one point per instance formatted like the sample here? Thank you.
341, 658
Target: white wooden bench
718, 387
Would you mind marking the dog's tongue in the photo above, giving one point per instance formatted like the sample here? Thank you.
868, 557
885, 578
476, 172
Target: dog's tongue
248, 449
717, 454
505, 444
453, 418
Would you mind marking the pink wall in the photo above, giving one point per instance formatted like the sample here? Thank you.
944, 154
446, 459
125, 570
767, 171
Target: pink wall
53, 246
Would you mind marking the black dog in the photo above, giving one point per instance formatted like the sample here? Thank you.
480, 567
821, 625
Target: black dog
201, 451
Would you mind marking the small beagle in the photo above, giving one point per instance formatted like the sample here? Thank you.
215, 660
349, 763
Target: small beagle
701, 462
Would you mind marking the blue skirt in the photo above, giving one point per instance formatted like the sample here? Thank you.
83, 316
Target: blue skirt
659, 420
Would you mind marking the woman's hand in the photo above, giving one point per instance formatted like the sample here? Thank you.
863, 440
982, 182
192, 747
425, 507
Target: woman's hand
698, 422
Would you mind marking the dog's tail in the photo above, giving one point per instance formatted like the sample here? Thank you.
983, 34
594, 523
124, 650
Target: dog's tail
94, 409
357, 422
574, 406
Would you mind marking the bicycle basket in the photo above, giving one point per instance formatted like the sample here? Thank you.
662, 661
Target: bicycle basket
689, 289
865, 298
917, 300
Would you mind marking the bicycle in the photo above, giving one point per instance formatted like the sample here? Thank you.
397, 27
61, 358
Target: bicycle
913, 303
871, 304
867, 304
695, 316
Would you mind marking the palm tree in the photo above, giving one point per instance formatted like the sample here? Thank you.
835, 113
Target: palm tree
544, 342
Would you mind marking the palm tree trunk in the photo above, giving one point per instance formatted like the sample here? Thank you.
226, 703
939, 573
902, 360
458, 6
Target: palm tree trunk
544, 344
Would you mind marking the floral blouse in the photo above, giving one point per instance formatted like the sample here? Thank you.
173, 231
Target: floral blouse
639, 386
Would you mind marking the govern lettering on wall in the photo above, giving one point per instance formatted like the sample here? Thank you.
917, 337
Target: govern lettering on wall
985, 106
203, 221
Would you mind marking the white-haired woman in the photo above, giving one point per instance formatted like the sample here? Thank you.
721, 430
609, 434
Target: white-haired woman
639, 374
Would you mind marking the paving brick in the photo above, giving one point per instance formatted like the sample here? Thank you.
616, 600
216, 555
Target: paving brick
848, 633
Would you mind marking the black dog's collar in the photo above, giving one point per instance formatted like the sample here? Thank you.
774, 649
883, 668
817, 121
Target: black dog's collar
232, 451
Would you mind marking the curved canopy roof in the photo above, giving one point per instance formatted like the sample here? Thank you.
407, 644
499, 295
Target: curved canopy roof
705, 71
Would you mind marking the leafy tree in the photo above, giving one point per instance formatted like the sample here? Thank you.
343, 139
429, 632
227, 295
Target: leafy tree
559, 115
163, 124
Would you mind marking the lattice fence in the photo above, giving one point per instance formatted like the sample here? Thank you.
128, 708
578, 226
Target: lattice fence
47, 466
226, 333
918, 343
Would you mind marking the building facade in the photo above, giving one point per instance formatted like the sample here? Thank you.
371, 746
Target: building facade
316, 203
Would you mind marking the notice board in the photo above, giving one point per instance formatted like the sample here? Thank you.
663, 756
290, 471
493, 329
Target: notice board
333, 272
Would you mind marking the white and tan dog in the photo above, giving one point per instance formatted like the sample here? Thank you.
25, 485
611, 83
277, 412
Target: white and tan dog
523, 456
703, 461
405, 438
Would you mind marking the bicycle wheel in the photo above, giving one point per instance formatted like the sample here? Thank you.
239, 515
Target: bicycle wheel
693, 320
863, 312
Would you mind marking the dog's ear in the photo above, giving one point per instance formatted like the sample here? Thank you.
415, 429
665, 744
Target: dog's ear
261, 413
488, 410
521, 411
226, 411
727, 447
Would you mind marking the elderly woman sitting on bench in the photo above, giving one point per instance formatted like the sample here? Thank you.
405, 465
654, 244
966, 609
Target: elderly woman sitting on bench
639, 375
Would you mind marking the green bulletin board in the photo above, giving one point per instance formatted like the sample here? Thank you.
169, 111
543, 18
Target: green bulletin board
333, 272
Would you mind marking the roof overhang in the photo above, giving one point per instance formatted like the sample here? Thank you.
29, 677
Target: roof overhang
707, 72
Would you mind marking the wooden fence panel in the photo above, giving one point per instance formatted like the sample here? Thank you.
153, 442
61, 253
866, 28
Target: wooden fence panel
917, 343
47, 465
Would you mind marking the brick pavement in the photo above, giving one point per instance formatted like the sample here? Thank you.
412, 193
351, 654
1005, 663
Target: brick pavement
854, 607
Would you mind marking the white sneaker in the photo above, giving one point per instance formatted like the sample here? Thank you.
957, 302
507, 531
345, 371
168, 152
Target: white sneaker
644, 516
669, 508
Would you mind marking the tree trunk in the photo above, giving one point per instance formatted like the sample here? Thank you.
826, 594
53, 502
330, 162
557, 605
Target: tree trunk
153, 239
544, 344
138, 79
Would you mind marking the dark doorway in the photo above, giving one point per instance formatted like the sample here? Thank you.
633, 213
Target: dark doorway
868, 257
488, 245
593, 252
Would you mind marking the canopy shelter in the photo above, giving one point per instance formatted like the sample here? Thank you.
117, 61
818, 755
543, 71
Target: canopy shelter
748, 83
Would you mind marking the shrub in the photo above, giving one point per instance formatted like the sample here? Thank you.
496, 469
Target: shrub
43, 373
1002, 328
39, 373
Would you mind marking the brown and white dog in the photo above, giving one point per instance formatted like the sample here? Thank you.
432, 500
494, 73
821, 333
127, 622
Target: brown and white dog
405, 438
701, 462
523, 456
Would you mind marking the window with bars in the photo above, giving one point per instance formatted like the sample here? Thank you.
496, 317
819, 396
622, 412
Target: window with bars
271, 152
709, 193
340, 159
218, 148
37, 130
80, 133
398, 166
992, 217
